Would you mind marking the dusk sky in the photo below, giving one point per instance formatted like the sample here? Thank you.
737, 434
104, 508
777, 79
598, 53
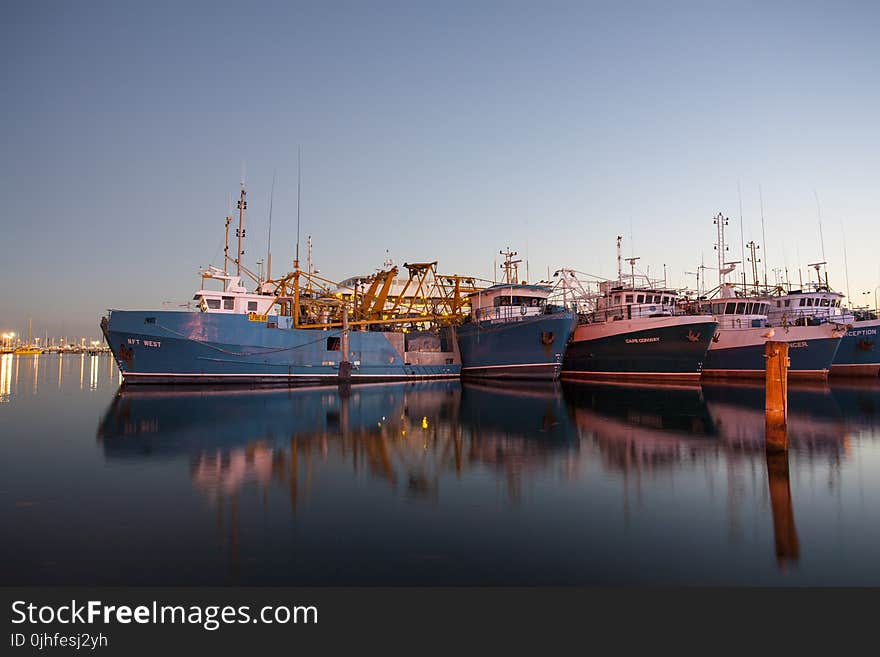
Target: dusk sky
439, 131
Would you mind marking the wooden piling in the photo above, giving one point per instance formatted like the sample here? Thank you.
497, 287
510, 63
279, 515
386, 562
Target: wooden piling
776, 406
345, 363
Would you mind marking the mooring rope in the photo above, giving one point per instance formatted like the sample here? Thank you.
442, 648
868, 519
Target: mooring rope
253, 353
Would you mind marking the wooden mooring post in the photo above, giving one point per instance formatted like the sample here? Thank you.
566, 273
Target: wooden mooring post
776, 406
345, 363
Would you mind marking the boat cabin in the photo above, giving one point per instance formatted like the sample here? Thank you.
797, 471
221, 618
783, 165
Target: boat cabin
803, 307
233, 298
738, 312
509, 302
617, 301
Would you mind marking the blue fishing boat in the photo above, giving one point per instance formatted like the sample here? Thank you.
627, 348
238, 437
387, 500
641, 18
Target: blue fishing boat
859, 352
513, 331
298, 329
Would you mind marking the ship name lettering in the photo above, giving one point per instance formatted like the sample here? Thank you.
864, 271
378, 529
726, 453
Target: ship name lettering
862, 332
637, 340
796, 345
134, 341
152, 343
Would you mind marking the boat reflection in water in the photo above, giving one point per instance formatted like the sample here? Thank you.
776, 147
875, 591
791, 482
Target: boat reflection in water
263, 436
493, 467
643, 432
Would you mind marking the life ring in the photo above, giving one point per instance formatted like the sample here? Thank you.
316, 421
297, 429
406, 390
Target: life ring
203, 305
522, 309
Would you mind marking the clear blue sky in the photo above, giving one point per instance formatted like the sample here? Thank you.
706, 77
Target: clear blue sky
436, 130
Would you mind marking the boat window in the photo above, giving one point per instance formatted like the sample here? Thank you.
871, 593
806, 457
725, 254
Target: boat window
334, 343
787, 303
803, 301
824, 302
616, 298
779, 304
252, 306
197, 297
213, 304
629, 298
740, 308
749, 308
810, 301
731, 309
228, 303
640, 298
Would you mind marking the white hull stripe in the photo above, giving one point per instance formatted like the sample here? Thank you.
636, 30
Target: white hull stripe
762, 372
286, 376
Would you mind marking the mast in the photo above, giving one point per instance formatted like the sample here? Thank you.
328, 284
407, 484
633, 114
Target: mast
298, 188
511, 270
742, 239
763, 234
269, 243
720, 222
619, 261
226, 247
239, 233
821, 239
632, 268
845, 264
752, 247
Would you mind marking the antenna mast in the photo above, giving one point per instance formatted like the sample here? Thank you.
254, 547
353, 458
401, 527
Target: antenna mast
721, 222
752, 247
763, 234
742, 239
298, 187
242, 206
845, 264
269, 243
511, 271
821, 239
619, 261
632, 268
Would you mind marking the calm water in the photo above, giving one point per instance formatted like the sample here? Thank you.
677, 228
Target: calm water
433, 483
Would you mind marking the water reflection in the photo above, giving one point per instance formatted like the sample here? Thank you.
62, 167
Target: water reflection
409, 436
5, 377
433, 483
402, 435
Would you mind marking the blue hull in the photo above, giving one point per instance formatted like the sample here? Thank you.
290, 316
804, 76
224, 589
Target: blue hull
663, 352
532, 348
194, 347
809, 358
859, 352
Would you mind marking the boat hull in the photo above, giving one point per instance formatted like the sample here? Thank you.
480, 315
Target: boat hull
739, 353
647, 349
531, 348
859, 352
191, 347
